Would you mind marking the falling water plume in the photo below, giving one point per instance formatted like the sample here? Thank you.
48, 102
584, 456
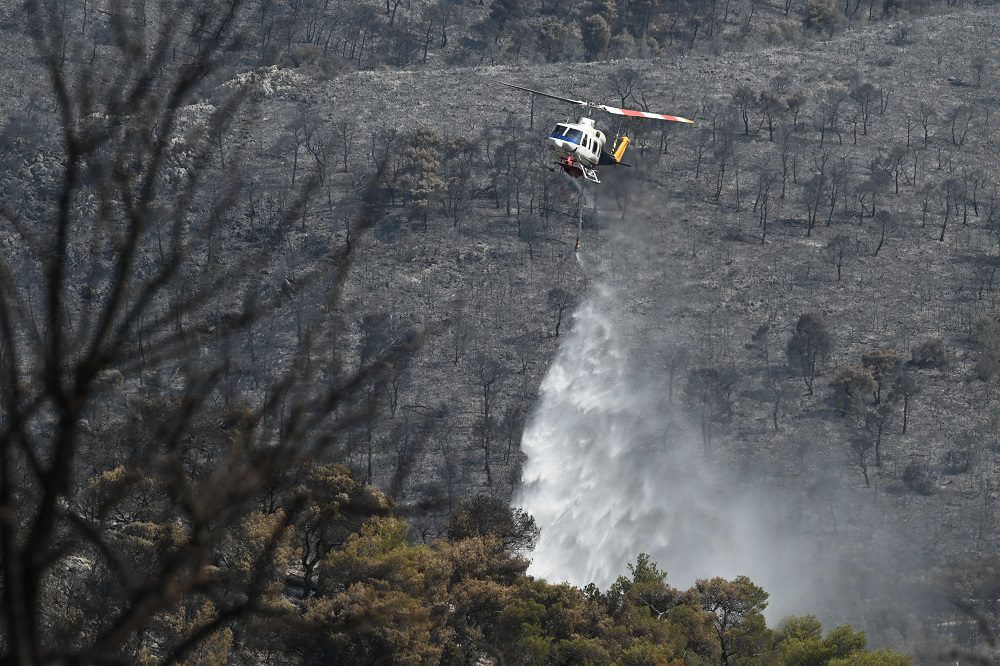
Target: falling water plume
613, 467
613, 470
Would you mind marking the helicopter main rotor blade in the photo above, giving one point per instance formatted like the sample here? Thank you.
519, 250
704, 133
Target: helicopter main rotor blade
545, 94
644, 114
609, 109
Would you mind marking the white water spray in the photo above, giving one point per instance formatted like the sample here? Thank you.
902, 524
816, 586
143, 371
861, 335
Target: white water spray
579, 448
613, 471
613, 468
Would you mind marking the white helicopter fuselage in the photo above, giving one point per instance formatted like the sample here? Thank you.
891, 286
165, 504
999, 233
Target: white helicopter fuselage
580, 141
579, 147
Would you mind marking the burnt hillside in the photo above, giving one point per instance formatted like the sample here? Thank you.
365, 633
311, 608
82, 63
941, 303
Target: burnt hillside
241, 246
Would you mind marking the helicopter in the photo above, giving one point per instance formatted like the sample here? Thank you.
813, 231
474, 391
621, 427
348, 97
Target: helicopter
580, 147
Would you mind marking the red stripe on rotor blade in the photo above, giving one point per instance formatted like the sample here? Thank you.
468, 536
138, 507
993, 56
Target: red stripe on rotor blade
646, 114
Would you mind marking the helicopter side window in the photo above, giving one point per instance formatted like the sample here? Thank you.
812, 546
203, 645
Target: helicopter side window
574, 136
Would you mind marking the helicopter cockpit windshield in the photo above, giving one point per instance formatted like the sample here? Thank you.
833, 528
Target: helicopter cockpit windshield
568, 134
